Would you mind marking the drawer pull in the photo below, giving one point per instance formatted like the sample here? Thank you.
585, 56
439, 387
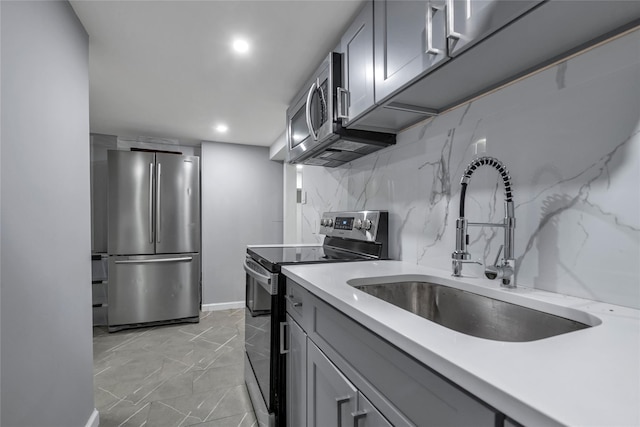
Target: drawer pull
339, 402
293, 301
356, 417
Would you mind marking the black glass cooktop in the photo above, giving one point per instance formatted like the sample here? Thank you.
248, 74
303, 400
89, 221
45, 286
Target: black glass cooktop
271, 257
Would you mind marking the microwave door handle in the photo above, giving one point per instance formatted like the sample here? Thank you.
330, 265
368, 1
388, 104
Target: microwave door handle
312, 131
323, 99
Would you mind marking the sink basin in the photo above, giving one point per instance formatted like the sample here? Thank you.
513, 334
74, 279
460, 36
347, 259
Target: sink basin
470, 313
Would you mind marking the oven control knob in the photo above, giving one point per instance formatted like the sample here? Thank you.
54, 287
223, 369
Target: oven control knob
323, 222
329, 222
357, 224
367, 224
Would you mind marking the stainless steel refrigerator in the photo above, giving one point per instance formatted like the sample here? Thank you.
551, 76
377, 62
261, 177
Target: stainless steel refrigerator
154, 238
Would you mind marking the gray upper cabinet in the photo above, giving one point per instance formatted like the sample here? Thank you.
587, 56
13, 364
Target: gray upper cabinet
432, 55
357, 60
409, 41
469, 21
503, 40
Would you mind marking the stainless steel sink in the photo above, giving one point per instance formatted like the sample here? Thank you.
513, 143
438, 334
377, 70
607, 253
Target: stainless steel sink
470, 313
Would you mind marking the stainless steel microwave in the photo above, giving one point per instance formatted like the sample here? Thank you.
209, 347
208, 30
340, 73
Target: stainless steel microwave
315, 134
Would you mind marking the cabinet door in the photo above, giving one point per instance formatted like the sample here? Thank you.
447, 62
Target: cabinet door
409, 41
367, 415
331, 398
357, 60
296, 375
470, 21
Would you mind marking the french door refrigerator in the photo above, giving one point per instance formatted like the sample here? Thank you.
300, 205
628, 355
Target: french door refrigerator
154, 238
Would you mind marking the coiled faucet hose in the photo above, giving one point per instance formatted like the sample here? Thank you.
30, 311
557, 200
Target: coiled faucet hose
475, 164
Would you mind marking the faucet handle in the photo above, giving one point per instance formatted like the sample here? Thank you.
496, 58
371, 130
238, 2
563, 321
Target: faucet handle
494, 271
495, 263
504, 271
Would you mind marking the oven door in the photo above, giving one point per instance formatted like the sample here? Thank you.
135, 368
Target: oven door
261, 286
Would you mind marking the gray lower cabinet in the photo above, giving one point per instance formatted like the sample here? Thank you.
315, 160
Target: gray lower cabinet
296, 375
332, 400
330, 396
355, 378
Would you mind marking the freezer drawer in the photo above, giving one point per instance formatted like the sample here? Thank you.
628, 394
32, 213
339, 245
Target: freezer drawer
153, 288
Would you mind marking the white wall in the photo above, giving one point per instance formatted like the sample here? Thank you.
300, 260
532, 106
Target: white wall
570, 136
46, 340
241, 205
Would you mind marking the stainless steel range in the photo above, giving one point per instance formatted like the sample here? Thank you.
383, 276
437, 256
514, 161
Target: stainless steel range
349, 236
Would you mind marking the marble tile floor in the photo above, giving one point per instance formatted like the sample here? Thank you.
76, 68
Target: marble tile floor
179, 375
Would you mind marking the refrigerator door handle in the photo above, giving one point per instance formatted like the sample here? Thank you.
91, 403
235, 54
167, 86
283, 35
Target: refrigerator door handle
150, 202
158, 217
153, 261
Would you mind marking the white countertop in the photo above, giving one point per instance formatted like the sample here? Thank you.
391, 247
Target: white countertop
587, 377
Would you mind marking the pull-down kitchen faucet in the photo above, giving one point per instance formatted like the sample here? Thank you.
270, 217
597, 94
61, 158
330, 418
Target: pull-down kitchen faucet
505, 269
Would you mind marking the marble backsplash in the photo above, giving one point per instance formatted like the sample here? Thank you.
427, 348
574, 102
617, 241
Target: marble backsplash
570, 137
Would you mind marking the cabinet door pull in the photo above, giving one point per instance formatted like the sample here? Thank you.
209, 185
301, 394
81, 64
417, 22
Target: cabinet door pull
343, 103
431, 10
339, 402
357, 415
451, 32
293, 301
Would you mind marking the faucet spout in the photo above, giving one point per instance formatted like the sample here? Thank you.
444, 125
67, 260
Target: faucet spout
505, 269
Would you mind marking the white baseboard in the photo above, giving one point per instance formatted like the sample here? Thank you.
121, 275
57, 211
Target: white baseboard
223, 306
94, 419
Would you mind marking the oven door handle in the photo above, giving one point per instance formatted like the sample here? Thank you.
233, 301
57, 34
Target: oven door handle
283, 336
268, 282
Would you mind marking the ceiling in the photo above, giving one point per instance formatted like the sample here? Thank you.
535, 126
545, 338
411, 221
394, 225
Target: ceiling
166, 69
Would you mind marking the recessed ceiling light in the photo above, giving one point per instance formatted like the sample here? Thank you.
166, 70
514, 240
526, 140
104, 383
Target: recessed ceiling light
222, 128
240, 46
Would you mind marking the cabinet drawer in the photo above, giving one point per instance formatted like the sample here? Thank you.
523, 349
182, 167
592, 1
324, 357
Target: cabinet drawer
99, 293
298, 301
387, 375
